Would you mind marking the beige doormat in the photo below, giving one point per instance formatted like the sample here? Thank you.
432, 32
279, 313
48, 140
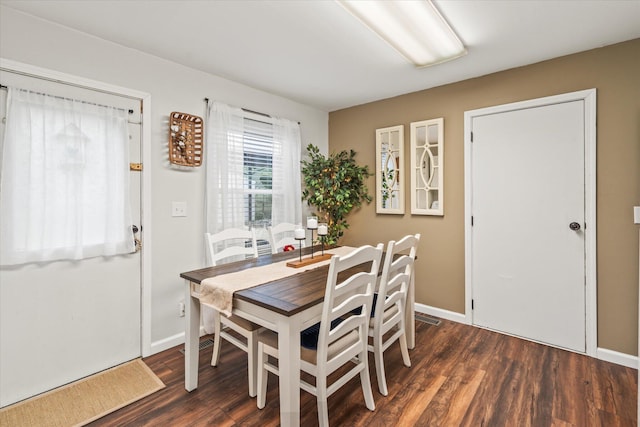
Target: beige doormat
86, 400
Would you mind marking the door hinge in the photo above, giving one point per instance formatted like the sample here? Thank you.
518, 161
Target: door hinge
472, 220
471, 136
472, 304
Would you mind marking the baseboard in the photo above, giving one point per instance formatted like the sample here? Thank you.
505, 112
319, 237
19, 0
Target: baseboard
172, 341
441, 313
607, 355
167, 343
618, 358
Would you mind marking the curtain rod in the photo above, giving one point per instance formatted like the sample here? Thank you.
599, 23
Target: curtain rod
249, 111
246, 110
3, 87
63, 82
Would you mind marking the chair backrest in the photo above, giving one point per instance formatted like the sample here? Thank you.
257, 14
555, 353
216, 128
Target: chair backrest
396, 274
342, 298
232, 242
281, 235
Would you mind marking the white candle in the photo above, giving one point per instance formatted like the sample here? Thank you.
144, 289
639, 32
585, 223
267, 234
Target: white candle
299, 233
322, 230
312, 223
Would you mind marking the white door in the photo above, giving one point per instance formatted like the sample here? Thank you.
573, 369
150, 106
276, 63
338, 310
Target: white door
61, 321
528, 208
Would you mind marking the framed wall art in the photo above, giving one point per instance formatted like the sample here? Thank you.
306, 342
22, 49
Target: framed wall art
427, 167
390, 170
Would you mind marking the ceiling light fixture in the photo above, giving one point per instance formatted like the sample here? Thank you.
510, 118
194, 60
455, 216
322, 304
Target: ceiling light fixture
414, 28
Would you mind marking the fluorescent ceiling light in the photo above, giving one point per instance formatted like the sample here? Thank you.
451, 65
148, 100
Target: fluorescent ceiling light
414, 28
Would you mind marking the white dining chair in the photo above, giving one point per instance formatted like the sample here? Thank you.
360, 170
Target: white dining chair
281, 235
387, 324
234, 243
340, 337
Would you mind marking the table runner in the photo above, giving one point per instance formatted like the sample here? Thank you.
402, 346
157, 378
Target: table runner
217, 291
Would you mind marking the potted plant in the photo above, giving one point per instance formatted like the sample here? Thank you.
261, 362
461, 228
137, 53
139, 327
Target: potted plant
334, 186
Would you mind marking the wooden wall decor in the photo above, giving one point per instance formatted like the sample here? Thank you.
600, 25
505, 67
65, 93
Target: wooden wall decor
185, 139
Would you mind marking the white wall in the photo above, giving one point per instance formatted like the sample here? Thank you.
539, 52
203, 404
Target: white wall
177, 243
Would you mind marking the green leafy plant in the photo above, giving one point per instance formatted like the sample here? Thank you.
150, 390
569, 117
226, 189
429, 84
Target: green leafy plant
334, 186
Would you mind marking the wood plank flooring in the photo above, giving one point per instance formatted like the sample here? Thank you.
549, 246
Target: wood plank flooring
460, 376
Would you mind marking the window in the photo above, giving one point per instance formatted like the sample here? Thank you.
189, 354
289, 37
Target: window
253, 171
258, 179
258, 173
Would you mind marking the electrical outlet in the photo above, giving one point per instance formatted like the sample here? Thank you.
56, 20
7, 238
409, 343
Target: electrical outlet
181, 309
179, 209
636, 214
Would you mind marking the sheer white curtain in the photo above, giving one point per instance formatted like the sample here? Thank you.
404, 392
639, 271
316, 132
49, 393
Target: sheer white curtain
287, 189
224, 185
64, 180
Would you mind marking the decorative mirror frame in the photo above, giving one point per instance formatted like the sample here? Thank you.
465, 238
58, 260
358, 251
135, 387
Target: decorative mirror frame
427, 167
389, 174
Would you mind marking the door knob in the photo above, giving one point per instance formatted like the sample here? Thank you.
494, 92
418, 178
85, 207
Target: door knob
574, 226
138, 242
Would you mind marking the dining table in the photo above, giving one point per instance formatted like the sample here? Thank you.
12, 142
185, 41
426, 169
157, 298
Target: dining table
286, 305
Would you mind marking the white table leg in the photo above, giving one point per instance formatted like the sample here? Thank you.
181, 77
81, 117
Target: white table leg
192, 339
289, 362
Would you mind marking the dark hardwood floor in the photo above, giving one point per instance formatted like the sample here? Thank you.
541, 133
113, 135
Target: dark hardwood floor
460, 376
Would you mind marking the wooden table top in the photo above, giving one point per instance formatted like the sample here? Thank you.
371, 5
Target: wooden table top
287, 296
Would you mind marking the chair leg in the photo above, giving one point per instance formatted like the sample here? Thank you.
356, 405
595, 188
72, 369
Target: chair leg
365, 379
404, 349
321, 396
262, 377
216, 339
379, 360
252, 365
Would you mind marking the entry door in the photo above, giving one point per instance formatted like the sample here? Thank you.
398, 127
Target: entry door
528, 207
64, 320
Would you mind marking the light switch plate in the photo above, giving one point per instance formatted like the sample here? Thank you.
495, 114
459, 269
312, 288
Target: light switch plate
636, 214
179, 209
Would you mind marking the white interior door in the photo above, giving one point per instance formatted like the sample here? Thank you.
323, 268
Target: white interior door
61, 321
528, 200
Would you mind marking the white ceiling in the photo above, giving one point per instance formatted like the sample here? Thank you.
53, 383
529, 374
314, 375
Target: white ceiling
314, 52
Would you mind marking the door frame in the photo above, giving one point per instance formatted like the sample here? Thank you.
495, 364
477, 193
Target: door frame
145, 196
589, 98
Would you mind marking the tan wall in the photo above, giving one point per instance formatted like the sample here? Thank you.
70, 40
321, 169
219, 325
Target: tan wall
615, 72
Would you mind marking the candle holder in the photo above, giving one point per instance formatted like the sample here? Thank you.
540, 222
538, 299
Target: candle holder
323, 230
312, 224
300, 245
312, 229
